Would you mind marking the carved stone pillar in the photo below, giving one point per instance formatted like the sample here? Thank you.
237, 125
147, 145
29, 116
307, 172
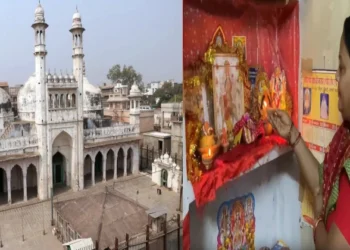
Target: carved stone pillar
25, 187
125, 163
9, 199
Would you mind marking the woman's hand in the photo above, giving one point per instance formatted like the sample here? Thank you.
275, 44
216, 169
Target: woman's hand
280, 121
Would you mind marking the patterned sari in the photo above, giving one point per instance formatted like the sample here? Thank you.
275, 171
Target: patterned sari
334, 176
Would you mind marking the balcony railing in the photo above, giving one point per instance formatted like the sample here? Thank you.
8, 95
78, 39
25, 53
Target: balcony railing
120, 131
18, 143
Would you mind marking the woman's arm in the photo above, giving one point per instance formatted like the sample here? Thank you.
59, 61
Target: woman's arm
309, 168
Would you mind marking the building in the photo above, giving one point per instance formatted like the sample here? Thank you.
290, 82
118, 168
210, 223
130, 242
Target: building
118, 108
168, 113
13, 91
61, 137
167, 173
102, 216
4, 86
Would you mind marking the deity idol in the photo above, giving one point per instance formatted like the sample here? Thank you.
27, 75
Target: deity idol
278, 89
237, 224
224, 240
227, 100
324, 107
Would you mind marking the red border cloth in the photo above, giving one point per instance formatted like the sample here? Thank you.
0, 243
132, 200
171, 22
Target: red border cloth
231, 165
186, 232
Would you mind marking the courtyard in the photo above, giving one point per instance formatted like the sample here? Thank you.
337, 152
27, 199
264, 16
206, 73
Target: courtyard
28, 225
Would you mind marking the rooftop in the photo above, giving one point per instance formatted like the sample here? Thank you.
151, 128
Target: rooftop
104, 216
157, 134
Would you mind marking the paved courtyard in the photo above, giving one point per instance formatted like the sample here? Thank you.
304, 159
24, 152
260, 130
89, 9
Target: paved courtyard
30, 220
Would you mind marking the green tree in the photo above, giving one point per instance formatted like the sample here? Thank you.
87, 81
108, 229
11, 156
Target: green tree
128, 75
168, 93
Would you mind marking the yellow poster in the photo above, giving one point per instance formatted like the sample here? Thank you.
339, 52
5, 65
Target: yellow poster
320, 121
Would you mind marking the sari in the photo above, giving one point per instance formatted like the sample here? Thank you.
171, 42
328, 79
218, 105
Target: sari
335, 178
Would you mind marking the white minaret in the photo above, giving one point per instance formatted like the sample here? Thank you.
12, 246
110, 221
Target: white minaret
40, 53
77, 31
135, 100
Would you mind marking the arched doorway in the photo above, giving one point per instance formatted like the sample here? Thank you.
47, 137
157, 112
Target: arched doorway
3, 187
129, 162
58, 169
16, 184
61, 161
87, 171
32, 182
164, 178
120, 163
110, 165
98, 167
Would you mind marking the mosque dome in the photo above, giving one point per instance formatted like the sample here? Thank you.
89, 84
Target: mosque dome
92, 96
49, 77
39, 14
26, 99
135, 91
76, 15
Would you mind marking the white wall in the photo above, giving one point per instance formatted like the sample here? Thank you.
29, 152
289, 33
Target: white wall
321, 25
277, 208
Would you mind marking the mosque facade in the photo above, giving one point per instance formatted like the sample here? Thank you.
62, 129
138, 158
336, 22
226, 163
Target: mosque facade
60, 137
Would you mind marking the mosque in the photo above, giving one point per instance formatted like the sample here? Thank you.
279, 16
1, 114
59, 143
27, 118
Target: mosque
60, 137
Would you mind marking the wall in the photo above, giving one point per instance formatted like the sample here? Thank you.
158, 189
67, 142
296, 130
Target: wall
277, 208
176, 139
152, 142
321, 25
146, 121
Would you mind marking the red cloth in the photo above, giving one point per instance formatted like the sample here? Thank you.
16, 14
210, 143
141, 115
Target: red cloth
341, 215
186, 232
272, 34
231, 165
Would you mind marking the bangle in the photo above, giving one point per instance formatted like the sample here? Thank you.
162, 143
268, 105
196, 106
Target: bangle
315, 227
296, 141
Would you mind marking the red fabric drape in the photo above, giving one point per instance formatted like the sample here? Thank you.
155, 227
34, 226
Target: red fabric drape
272, 34
231, 165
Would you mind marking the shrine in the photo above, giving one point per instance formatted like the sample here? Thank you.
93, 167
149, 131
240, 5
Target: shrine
240, 59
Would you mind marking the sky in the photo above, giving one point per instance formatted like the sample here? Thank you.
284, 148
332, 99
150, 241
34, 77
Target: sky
146, 34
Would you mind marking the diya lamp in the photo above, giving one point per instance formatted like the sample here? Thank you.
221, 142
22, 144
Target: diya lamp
207, 159
265, 105
208, 147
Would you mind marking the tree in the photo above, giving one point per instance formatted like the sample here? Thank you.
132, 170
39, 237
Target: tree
168, 93
128, 75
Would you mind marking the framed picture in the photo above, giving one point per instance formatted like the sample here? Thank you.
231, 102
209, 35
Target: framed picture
228, 93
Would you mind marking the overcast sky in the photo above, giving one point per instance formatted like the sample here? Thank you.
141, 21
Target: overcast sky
146, 34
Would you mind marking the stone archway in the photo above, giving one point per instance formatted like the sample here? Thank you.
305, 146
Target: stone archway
3, 187
88, 181
62, 160
164, 178
32, 182
59, 169
98, 167
129, 161
110, 165
16, 184
120, 163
